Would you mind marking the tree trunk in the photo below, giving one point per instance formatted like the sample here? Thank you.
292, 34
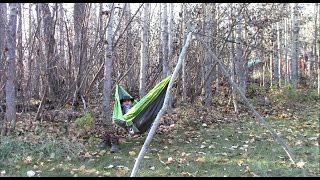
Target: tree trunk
62, 36
11, 71
144, 50
164, 40
240, 57
20, 86
49, 44
108, 69
79, 50
232, 64
208, 30
129, 48
295, 47
286, 60
183, 37
3, 27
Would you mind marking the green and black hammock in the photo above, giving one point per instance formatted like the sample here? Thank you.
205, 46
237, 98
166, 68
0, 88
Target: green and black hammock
141, 116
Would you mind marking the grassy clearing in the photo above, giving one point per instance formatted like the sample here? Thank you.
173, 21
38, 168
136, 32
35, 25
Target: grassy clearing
202, 143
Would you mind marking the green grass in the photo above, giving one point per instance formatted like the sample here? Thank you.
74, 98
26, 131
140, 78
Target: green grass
220, 149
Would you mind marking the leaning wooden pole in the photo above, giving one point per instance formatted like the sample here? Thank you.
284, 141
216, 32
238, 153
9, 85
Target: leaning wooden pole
243, 97
163, 109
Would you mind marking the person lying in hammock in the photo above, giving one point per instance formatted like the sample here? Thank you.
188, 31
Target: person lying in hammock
112, 139
126, 104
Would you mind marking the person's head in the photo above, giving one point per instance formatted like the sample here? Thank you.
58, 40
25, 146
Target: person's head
126, 101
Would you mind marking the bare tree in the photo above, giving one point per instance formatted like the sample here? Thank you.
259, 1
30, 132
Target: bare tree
9, 124
80, 49
129, 47
108, 68
144, 49
295, 46
164, 40
3, 25
208, 30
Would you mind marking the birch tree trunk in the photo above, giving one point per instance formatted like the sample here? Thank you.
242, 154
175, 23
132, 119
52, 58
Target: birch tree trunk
10, 121
108, 69
170, 36
3, 26
318, 58
240, 61
286, 52
62, 35
164, 40
208, 30
232, 63
37, 80
20, 85
295, 47
144, 49
129, 48
279, 57
183, 34
275, 57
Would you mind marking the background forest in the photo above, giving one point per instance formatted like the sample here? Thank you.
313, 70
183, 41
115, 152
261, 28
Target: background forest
60, 62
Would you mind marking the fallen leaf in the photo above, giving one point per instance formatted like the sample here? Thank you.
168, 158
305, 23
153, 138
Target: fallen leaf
3, 172
82, 167
87, 155
132, 153
240, 162
301, 164
186, 174
110, 166
31, 173
170, 160
201, 159
102, 152
121, 171
28, 160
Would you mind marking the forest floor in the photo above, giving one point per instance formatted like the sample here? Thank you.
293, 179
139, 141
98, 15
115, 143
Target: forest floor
190, 141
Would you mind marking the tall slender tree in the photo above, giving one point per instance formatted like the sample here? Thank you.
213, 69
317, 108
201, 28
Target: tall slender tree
164, 40
79, 49
9, 124
3, 25
108, 68
295, 46
144, 49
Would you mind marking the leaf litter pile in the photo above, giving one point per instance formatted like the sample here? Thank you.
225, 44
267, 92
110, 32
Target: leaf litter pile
190, 141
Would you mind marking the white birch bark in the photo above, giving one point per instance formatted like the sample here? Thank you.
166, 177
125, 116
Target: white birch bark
295, 47
208, 30
62, 36
144, 49
183, 74
164, 39
170, 34
3, 26
108, 69
11, 71
240, 71
129, 47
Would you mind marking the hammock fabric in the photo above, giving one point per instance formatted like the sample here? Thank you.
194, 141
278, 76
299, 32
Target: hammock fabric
141, 116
